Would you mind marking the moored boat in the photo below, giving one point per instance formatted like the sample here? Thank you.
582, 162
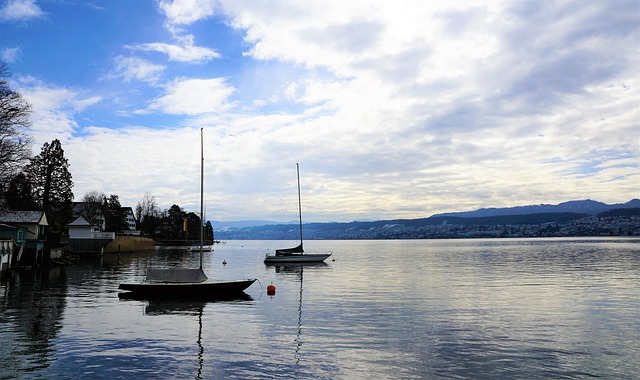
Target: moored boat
187, 283
296, 254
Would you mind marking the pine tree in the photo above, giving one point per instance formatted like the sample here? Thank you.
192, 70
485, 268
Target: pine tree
51, 182
115, 218
19, 194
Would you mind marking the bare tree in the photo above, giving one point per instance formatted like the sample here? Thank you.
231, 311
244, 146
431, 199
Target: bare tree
92, 208
147, 207
15, 122
148, 214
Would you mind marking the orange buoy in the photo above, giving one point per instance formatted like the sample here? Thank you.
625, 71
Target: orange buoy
271, 290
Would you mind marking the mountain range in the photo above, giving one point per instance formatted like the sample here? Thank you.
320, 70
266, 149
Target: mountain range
470, 223
586, 206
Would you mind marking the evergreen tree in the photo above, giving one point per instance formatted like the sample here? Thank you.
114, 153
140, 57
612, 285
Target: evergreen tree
19, 195
174, 222
208, 232
115, 218
52, 186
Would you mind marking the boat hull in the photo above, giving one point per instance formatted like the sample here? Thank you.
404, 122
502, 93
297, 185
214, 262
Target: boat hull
204, 289
297, 258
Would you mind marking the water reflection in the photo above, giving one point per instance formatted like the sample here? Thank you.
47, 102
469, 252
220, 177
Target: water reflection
186, 307
31, 312
296, 271
185, 300
164, 307
388, 309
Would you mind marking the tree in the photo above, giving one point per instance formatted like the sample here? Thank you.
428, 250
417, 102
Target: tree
193, 226
19, 194
50, 178
147, 207
92, 208
148, 214
173, 222
115, 218
208, 232
15, 122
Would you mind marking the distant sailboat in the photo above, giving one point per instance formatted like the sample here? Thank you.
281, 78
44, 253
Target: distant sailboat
187, 283
296, 254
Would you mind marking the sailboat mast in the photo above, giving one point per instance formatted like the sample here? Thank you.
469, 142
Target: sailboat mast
299, 203
201, 192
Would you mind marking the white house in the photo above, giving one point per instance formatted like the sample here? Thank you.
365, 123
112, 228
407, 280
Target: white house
81, 228
85, 237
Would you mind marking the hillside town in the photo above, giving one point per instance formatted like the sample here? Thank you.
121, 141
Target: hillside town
448, 228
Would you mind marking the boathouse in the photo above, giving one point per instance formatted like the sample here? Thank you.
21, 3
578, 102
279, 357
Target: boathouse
85, 237
23, 232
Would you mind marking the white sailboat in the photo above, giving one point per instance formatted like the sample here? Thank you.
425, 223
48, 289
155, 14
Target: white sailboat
187, 283
296, 254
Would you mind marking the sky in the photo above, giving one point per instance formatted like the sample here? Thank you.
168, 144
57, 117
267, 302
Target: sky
393, 109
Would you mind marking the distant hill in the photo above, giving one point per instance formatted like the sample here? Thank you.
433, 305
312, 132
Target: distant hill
243, 223
587, 206
585, 218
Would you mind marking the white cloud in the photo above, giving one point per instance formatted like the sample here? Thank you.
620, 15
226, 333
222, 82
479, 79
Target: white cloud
134, 68
393, 109
54, 109
18, 10
432, 101
128, 168
187, 11
194, 97
10, 55
186, 51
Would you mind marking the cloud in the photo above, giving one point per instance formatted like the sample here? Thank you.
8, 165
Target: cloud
432, 101
393, 109
185, 52
20, 10
120, 155
10, 55
194, 97
186, 11
133, 68
54, 109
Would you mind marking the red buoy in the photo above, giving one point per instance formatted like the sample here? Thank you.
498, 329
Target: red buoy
271, 290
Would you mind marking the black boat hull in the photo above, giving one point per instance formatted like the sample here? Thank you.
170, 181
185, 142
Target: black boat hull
202, 290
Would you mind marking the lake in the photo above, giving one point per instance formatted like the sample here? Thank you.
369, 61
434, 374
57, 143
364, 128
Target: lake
391, 309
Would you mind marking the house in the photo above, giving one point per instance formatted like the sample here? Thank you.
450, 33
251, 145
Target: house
92, 211
130, 218
11, 239
87, 238
131, 222
81, 228
27, 231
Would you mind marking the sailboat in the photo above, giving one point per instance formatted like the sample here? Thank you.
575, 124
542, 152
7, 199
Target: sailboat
296, 254
187, 283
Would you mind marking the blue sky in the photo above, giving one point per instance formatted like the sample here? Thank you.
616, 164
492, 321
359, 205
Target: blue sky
395, 109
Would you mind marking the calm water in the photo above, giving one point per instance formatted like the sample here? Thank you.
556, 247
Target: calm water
383, 309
